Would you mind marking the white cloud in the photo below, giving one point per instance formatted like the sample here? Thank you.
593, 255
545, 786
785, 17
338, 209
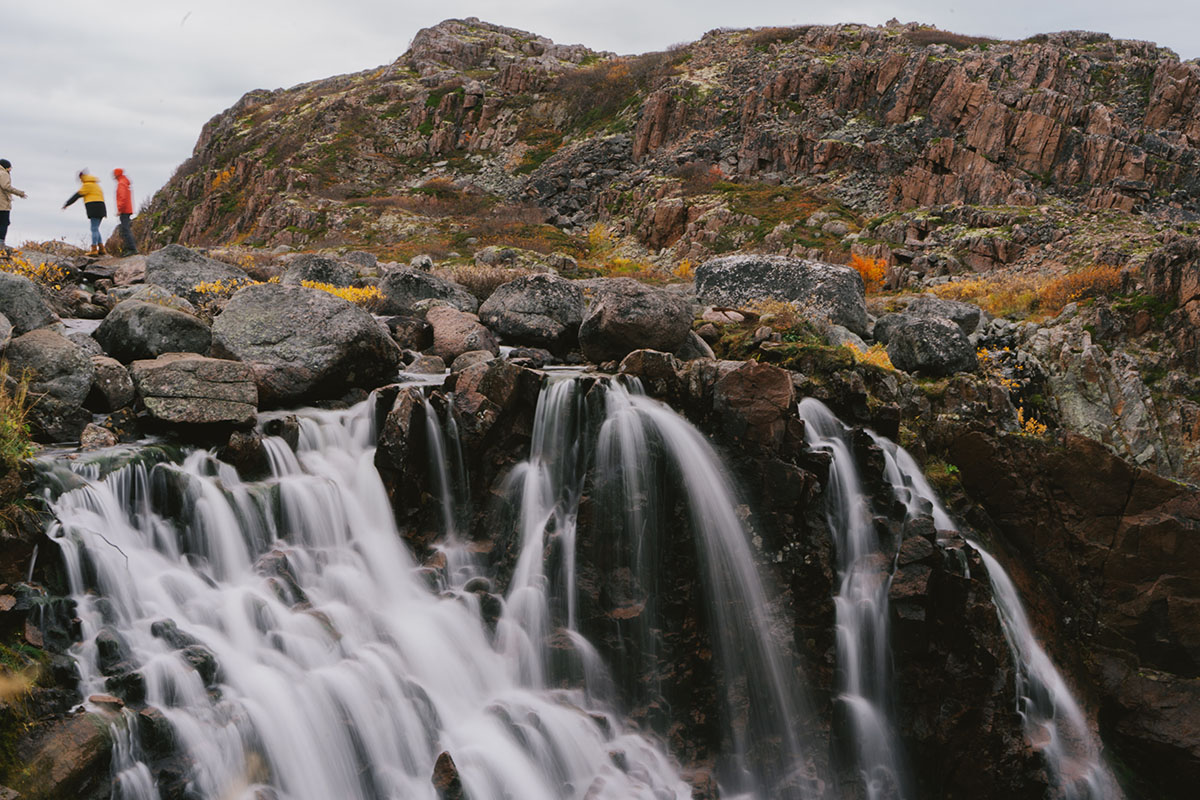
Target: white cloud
130, 84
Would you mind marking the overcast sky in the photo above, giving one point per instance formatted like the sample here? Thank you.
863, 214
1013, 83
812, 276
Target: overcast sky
130, 83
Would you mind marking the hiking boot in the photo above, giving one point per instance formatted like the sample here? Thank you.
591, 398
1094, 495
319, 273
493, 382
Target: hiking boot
100, 250
93, 252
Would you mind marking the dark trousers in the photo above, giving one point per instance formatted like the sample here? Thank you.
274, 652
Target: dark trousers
4, 224
127, 233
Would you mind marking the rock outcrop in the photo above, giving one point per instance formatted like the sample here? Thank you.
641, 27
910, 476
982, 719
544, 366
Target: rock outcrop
626, 315
304, 344
183, 389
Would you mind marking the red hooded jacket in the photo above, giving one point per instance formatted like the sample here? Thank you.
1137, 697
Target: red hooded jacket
124, 195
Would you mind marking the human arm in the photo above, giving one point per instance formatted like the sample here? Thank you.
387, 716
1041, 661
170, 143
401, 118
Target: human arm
72, 199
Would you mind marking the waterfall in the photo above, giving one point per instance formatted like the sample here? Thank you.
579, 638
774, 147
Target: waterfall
296, 652
1054, 723
861, 604
1053, 720
625, 448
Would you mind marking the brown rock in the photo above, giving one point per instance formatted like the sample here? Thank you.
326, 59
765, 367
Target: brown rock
755, 401
456, 332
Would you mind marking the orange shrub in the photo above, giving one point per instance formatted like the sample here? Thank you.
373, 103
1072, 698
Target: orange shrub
1093, 281
873, 271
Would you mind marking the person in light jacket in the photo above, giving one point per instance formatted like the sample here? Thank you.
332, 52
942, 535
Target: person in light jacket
93, 201
7, 190
125, 209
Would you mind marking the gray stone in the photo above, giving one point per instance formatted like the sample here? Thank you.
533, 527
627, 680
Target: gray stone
455, 332
95, 437
427, 365
60, 376
22, 304
404, 288
542, 310
304, 344
181, 388
471, 358
137, 330
627, 316
310, 267
112, 388
6, 330
149, 293
694, 347
828, 291
930, 346
177, 269
964, 315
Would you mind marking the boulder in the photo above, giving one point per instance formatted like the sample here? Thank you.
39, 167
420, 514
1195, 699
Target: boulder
310, 267
68, 757
112, 387
129, 271
829, 291
627, 316
410, 331
60, 376
184, 388
694, 347
930, 346
304, 344
964, 315
85, 340
177, 269
149, 293
6, 330
471, 358
456, 332
95, 437
403, 288
138, 330
22, 304
542, 310
755, 402
427, 365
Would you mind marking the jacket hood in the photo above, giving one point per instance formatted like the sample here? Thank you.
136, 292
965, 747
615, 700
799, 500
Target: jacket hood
88, 178
118, 173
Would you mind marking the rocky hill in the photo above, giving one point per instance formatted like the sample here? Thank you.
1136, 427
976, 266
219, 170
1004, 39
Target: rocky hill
484, 134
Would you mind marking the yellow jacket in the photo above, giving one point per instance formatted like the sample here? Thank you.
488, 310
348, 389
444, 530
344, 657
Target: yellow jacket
89, 189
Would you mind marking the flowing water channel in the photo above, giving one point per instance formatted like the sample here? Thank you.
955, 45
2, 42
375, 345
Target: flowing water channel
297, 650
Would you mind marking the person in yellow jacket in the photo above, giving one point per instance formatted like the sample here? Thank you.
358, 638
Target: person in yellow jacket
93, 201
7, 190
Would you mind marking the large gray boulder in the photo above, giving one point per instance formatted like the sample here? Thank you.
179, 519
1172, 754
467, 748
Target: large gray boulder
456, 332
137, 330
60, 376
931, 347
112, 387
6, 331
178, 269
181, 388
311, 267
22, 303
824, 290
626, 316
403, 288
304, 344
149, 293
964, 315
542, 310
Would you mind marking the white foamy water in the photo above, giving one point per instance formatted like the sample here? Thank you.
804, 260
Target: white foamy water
340, 673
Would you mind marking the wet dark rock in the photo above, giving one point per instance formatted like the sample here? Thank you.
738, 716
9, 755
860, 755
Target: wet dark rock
410, 331
446, 781
471, 358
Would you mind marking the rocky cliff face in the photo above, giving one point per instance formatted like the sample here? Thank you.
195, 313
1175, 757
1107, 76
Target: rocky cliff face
481, 134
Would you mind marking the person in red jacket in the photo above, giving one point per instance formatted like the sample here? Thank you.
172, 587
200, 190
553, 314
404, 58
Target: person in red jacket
125, 209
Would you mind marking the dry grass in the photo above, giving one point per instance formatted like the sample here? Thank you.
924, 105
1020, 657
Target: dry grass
15, 442
481, 280
876, 355
958, 41
762, 37
697, 177
1004, 296
368, 297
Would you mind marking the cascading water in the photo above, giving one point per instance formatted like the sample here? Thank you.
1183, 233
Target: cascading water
1053, 720
864, 657
1054, 723
290, 641
637, 441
